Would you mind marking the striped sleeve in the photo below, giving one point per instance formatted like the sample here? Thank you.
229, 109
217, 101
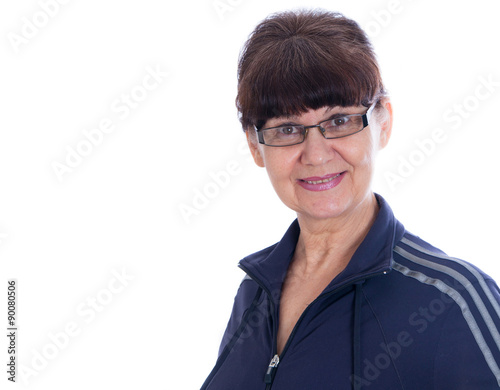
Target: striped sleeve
468, 354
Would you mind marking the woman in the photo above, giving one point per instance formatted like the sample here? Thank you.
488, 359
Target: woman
348, 299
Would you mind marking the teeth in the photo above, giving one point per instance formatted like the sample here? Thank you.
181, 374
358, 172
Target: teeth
322, 181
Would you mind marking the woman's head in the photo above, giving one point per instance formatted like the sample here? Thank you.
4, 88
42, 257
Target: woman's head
295, 61
300, 75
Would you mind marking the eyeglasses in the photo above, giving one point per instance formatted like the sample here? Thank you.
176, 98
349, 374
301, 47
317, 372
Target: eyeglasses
337, 127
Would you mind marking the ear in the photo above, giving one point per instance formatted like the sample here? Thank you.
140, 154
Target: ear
254, 146
385, 122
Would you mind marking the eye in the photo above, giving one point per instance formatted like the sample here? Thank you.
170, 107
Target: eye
289, 130
340, 121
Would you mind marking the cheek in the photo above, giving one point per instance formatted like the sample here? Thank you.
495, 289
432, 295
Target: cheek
279, 163
367, 158
359, 155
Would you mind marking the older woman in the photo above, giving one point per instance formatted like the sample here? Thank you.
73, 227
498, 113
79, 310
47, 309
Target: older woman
348, 299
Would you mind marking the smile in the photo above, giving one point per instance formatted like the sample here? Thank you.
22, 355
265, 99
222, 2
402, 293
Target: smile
322, 181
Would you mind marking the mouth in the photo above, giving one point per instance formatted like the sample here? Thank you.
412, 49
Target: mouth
320, 181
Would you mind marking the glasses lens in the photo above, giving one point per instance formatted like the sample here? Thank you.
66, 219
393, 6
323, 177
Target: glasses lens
281, 136
342, 126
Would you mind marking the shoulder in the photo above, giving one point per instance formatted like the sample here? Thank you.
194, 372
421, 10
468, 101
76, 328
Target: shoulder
471, 329
416, 258
473, 295
465, 283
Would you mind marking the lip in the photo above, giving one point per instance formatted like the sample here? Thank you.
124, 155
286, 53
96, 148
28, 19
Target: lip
333, 180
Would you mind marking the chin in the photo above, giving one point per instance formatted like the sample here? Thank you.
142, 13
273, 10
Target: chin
323, 211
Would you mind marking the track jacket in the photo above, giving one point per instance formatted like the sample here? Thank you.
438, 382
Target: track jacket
402, 315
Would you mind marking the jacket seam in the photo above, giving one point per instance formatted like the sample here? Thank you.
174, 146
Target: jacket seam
232, 342
384, 337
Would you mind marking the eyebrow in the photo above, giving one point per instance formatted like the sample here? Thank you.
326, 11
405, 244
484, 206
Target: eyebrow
341, 108
328, 109
289, 120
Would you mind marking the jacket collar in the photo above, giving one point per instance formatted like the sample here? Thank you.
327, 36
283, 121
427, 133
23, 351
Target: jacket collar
268, 267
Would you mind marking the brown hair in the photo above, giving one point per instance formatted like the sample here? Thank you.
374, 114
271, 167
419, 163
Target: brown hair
299, 60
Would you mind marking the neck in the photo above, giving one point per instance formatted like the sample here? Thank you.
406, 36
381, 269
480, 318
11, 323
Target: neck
329, 244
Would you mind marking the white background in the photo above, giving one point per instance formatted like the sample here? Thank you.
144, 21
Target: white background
118, 210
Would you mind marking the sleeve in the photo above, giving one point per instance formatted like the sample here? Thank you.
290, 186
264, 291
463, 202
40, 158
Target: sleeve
468, 351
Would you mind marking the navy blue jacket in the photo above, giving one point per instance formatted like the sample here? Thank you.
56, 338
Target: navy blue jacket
402, 315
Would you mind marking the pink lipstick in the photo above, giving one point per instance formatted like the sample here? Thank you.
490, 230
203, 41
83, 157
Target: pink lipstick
322, 183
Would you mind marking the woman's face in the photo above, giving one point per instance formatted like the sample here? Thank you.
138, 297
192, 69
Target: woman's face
325, 178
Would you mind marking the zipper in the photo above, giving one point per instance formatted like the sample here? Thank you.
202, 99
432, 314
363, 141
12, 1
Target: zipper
271, 371
273, 365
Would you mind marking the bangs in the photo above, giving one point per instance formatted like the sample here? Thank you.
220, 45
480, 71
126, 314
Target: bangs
289, 76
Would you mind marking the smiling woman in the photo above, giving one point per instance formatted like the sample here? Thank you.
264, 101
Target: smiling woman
348, 298
301, 173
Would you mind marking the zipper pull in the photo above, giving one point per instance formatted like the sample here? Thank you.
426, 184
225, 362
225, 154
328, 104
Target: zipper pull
271, 370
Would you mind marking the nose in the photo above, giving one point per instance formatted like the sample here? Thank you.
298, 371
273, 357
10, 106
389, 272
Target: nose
316, 149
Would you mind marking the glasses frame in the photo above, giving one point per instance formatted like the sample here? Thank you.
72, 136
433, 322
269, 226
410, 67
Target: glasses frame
365, 117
